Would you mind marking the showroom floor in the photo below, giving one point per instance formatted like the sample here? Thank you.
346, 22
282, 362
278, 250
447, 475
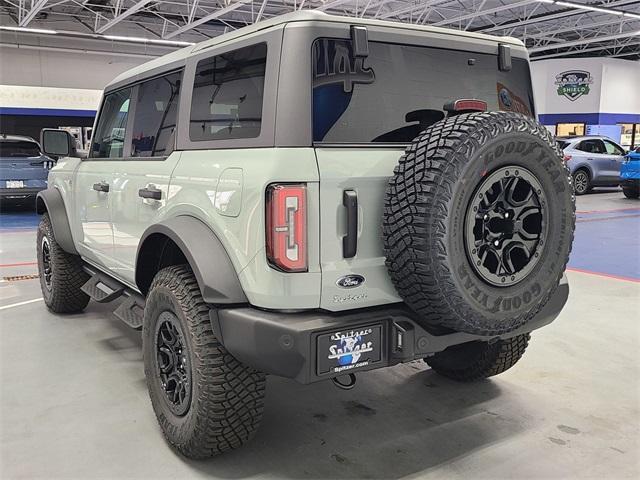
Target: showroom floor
74, 402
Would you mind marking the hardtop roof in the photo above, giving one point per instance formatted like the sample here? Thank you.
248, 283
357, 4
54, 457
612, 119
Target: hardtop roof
299, 16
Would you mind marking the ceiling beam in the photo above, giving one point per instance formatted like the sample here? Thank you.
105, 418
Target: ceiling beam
127, 13
479, 13
36, 6
545, 17
583, 41
207, 18
585, 50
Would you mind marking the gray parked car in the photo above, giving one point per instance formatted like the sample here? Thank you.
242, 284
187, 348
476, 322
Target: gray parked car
593, 161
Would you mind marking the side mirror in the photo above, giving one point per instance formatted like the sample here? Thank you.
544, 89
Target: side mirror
57, 143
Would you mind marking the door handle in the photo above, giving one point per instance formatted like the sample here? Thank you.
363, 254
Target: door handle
152, 193
101, 187
350, 240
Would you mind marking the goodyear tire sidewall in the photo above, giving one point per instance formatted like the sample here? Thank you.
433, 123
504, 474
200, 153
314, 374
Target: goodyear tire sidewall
509, 305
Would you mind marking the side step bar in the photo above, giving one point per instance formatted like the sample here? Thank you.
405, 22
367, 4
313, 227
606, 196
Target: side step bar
104, 289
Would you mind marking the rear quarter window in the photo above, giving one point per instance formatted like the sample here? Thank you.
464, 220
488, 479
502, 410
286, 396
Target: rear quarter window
228, 94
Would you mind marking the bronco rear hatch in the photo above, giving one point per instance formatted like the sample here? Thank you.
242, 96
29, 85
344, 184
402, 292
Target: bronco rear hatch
366, 109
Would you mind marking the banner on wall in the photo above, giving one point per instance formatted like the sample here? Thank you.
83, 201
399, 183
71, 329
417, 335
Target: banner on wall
573, 84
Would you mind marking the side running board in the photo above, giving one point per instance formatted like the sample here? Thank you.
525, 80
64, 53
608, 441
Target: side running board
104, 289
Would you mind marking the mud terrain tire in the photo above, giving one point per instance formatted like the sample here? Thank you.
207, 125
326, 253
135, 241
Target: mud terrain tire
61, 273
469, 362
431, 225
223, 400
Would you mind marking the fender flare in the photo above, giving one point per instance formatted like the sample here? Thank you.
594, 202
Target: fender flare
50, 201
209, 260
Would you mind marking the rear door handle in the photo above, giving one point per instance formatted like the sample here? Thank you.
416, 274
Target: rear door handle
152, 193
350, 240
101, 187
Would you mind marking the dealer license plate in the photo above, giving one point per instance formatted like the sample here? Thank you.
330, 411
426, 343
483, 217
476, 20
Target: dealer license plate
15, 184
349, 349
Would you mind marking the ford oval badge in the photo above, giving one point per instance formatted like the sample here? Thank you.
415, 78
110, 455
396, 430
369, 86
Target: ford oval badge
350, 281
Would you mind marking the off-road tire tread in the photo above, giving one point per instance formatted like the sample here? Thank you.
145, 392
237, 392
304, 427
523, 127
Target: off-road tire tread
231, 402
68, 274
495, 358
417, 199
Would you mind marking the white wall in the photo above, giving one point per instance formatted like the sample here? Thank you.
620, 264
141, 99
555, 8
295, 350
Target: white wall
621, 89
544, 74
45, 68
615, 87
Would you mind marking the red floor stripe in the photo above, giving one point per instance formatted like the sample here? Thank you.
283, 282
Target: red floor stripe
606, 275
22, 264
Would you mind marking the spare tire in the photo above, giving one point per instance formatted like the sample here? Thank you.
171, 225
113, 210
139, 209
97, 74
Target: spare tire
478, 222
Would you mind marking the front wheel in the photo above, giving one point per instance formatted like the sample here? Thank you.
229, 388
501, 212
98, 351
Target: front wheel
206, 401
474, 361
61, 273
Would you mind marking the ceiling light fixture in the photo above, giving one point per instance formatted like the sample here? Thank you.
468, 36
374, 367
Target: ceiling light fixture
147, 40
29, 30
589, 7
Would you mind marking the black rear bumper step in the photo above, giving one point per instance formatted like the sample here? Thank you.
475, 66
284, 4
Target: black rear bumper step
287, 344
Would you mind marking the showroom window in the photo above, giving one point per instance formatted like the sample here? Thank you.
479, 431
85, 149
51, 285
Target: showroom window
399, 90
155, 118
108, 141
227, 95
629, 135
570, 129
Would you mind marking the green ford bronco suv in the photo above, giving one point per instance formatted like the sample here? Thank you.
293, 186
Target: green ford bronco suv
311, 197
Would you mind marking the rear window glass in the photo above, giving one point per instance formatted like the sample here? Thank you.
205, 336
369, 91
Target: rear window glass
155, 118
399, 90
562, 144
227, 95
19, 149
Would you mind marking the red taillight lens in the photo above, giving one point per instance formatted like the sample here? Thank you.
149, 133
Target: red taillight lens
467, 105
286, 227
566, 158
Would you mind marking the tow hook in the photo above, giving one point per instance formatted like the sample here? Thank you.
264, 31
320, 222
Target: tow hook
345, 385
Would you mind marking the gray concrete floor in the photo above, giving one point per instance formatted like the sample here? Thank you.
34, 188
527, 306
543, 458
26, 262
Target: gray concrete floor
73, 401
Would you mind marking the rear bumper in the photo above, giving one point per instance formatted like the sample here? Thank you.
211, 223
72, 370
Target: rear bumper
630, 183
19, 194
286, 344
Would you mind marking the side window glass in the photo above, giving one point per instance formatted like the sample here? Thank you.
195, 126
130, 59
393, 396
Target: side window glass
592, 146
155, 116
227, 95
612, 148
108, 139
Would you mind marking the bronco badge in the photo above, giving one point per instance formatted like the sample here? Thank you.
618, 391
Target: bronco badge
350, 281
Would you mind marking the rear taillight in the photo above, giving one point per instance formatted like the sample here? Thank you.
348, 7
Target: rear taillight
286, 227
464, 105
566, 158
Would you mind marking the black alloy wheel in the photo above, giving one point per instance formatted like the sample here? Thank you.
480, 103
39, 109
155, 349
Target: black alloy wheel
172, 363
506, 226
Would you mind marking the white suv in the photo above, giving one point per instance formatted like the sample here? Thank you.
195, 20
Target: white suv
310, 197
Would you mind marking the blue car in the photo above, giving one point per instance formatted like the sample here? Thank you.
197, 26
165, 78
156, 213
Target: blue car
23, 169
630, 174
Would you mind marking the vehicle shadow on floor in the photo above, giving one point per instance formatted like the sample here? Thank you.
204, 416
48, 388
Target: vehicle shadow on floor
396, 422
